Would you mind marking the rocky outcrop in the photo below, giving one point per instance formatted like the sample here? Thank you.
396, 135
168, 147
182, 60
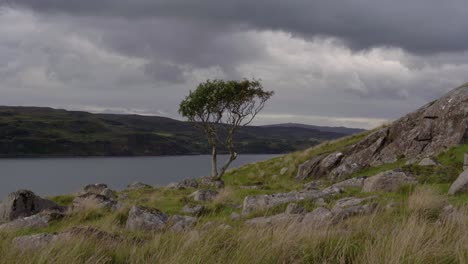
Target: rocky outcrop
319, 217
23, 203
204, 195
350, 206
465, 163
433, 128
266, 201
388, 181
318, 167
98, 188
143, 218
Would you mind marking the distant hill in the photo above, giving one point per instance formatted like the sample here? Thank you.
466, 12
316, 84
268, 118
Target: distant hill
341, 130
39, 131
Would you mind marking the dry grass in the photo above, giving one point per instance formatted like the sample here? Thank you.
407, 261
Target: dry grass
402, 235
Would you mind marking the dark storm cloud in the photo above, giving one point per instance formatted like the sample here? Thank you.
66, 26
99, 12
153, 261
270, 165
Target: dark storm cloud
421, 26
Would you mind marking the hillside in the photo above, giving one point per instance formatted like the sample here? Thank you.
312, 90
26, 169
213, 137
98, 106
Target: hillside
36, 131
342, 130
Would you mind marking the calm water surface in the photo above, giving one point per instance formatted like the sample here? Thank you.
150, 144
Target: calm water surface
66, 175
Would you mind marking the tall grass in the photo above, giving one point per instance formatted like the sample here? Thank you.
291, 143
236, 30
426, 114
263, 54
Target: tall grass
407, 234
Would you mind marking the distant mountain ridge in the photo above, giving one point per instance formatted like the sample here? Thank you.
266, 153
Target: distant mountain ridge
341, 129
42, 131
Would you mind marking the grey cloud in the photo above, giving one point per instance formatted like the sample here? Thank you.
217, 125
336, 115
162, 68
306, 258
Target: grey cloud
421, 26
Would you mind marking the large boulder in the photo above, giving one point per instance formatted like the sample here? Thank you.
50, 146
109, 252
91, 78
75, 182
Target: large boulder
460, 185
143, 218
267, 201
23, 203
428, 131
388, 181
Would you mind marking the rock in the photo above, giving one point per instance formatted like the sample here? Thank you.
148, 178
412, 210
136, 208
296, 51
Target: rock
388, 181
311, 186
109, 193
428, 161
181, 223
266, 201
88, 232
275, 220
143, 218
33, 241
320, 202
350, 206
357, 182
196, 210
460, 185
41, 240
431, 129
210, 182
318, 217
284, 170
235, 216
23, 203
138, 185
349, 202
94, 201
185, 184
40, 220
318, 167
98, 188
344, 213
294, 208
204, 195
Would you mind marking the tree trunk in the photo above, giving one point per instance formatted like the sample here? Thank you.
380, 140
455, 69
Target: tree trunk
214, 163
226, 166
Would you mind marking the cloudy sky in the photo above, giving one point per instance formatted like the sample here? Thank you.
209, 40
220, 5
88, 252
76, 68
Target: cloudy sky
355, 63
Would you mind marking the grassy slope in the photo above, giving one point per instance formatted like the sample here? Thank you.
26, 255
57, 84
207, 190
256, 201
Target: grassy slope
410, 233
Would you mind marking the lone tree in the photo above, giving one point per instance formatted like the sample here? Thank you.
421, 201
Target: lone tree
219, 108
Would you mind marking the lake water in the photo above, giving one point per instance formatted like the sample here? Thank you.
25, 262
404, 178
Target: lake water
52, 176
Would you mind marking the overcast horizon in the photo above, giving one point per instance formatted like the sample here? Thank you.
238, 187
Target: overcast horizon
354, 63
